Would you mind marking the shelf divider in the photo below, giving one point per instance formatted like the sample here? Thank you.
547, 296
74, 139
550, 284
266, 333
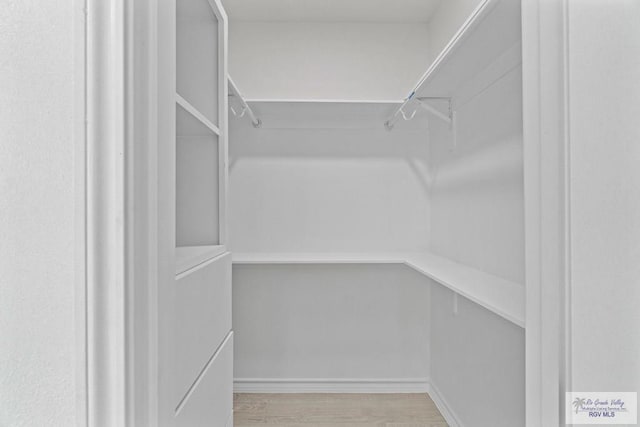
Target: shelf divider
197, 114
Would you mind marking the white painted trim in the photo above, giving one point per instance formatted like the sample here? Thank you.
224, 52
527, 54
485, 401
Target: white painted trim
80, 219
107, 255
331, 385
544, 110
120, 213
443, 406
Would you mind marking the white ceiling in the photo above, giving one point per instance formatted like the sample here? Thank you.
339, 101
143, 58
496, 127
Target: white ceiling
331, 10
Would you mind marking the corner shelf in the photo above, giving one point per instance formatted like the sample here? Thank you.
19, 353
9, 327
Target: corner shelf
188, 257
498, 295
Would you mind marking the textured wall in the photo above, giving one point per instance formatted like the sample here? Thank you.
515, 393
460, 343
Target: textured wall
37, 333
604, 97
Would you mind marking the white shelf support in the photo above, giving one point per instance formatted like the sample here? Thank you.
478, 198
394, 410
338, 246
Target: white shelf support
447, 118
246, 109
421, 102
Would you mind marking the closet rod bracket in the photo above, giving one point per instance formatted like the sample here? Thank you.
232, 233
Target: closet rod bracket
421, 102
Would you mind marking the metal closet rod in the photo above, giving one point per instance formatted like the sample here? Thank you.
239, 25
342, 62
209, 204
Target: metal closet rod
246, 109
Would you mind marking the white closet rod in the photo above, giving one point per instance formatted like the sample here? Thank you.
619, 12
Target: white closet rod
246, 109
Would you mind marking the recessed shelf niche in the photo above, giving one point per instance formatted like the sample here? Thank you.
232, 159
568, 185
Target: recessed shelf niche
197, 181
197, 56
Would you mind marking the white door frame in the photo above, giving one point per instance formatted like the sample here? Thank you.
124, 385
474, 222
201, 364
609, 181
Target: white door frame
119, 207
544, 26
121, 287
106, 238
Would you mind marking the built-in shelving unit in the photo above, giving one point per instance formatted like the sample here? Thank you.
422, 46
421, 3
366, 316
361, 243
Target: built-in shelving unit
501, 296
481, 51
197, 64
200, 149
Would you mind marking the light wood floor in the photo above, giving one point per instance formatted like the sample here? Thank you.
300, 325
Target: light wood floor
336, 410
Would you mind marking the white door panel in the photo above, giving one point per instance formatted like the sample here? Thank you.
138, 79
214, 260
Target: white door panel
195, 374
209, 403
203, 318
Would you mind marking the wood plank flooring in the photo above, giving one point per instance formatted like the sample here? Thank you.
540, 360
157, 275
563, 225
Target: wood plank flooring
336, 410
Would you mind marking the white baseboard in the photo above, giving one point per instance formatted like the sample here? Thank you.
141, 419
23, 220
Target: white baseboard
331, 385
442, 405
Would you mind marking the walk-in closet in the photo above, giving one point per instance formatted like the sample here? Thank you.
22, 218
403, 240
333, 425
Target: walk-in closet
319, 213
359, 222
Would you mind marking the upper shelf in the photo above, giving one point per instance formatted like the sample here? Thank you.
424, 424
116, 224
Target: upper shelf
492, 29
498, 295
484, 48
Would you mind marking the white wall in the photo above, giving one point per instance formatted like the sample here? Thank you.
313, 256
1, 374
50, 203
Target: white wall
477, 196
327, 60
446, 21
37, 196
330, 322
328, 178
327, 189
604, 102
477, 362
477, 219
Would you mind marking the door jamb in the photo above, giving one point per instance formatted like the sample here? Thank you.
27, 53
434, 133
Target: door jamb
118, 201
545, 112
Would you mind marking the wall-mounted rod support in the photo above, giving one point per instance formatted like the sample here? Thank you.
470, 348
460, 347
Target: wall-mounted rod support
246, 109
421, 102
448, 118
391, 121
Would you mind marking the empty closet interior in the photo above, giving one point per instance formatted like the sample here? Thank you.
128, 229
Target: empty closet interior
375, 199
376, 223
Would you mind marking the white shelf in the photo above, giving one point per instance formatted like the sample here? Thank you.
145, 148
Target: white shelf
498, 295
316, 258
188, 257
324, 101
501, 296
492, 29
187, 130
